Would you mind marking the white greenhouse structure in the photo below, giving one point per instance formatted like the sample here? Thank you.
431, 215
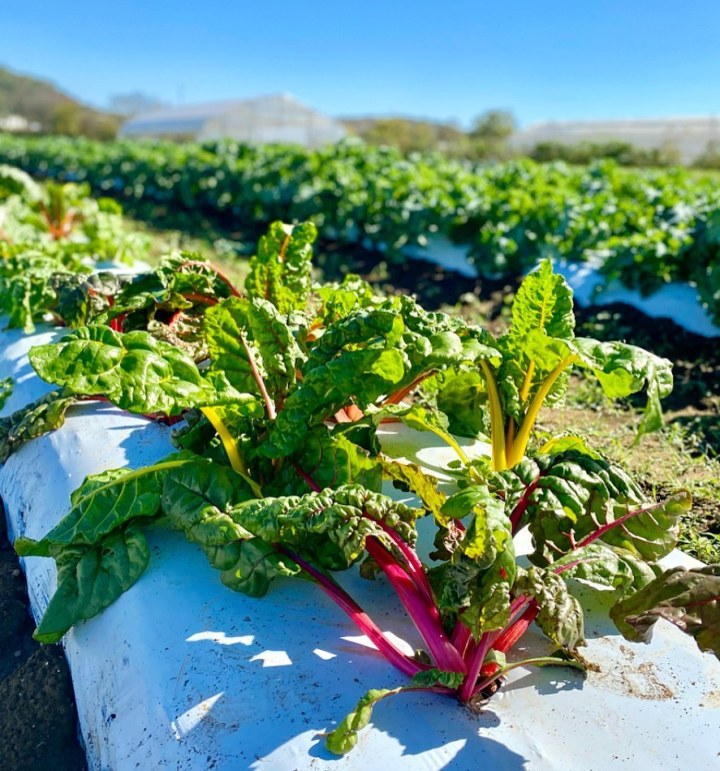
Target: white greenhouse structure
267, 119
690, 136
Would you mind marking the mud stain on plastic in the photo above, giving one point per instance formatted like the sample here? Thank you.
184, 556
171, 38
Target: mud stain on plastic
711, 700
639, 681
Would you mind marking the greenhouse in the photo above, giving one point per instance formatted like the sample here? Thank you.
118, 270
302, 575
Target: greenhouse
266, 119
689, 136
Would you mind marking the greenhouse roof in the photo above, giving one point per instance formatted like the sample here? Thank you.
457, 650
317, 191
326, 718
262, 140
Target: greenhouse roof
234, 118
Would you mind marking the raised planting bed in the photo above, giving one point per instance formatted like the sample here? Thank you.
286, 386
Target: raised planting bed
295, 404
181, 673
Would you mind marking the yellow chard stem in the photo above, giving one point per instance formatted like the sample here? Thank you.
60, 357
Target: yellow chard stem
497, 422
527, 383
523, 435
231, 448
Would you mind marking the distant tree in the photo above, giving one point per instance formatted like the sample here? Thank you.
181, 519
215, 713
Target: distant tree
493, 125
133, 103
406, 135
66, 118
488, 137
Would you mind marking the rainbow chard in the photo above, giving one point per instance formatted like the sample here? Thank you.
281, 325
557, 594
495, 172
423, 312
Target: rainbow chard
281, 467
537, 355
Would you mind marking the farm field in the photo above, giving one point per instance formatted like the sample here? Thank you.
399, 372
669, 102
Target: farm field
645, 228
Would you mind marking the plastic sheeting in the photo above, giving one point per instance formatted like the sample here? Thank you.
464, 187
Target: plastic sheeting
181, 673
679, 302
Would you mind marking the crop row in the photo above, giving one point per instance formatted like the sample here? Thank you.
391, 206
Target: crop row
645, 228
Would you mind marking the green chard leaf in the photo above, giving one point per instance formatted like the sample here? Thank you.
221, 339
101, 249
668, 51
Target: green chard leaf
688, 599
103, 503
98, 549
359, 376
237, 329
45, 414
462, 397
573, 496
197, 499
326, 459
542, 322
611, 567
133, 370
92, 577
560, 615
81, 299
345, 736
280, 272
6, 389
411, 478
339, 300
623, 370
329, 527
475, 583
544, 302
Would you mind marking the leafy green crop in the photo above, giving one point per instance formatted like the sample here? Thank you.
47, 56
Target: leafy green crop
280, 469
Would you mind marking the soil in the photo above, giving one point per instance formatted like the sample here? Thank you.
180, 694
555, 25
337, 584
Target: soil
38, 720
37, 713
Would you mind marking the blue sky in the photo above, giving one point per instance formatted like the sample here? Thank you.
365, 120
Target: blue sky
443, 60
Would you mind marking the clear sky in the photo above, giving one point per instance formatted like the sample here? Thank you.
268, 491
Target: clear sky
448, 59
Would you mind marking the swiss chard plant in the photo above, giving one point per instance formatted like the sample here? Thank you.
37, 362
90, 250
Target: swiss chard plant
279, 471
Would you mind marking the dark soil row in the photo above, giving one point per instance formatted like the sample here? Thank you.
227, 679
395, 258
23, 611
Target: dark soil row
38, 720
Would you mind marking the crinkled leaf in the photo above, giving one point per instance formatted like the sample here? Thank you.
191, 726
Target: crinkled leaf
568, 443
560, 615
133, 370
331, 526
360, 376
543, 302
688, 599
429, 677
280, 272
196, 496
624, 369
542, 322
329, 460
475, 584
462, 397
102, 504
6, 389
339, 300
345, 736
80, 298
608, 566
266, 335
487, 606
255, 565
410, 477
488, 532
45, 414
650, 531
567, 497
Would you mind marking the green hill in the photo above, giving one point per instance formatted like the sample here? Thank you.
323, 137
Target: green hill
57, 113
